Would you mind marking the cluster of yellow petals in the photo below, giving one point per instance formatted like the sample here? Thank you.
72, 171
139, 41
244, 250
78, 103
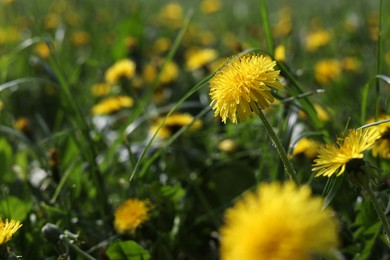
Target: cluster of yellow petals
112, 104
173, 123
8, 229
243, 86
381, 147
333, 158
121, 69
131, 214
278, 221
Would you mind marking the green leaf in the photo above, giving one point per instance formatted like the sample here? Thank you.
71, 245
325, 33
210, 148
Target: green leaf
129, 250
5, 156
14, 208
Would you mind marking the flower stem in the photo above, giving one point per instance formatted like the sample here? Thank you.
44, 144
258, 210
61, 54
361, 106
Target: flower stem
279, 148
381, 214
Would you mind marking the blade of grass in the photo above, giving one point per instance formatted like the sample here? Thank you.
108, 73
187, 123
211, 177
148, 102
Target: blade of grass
379, 60
266, 26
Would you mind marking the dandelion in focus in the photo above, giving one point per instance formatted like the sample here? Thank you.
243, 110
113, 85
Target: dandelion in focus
278, 221
8, 229
131, 214
243, 86
332, 159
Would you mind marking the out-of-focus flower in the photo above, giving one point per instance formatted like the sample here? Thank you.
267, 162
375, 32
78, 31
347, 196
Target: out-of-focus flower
307, 147
243, 86
79, 38
170, 73
278, 221
22, 124
52, 21
121, 69
42, 50
322, 113
280, 53
333, 158
373, 26
381, 147
228, 146
162, 45
284, 25
112, 104
210, 6
196, 58
171, 15
316, 39
351, 64
173, 123
131, 214
327, 70
8, 229
100, 89
72, 18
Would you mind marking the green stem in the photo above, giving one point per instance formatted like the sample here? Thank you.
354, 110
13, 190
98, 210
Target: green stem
78, 250
381, 214
279, 148
266, 27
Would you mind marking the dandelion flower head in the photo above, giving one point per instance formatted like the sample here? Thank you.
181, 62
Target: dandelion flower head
173, 123
243, 86
381, 148
333, 158
112, 104
8, 229
121, 69
278, 221
131, 214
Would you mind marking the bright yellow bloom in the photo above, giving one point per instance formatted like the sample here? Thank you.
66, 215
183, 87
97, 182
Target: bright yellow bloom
278, 221
196, 58
42, 50
381, 147
112, 104
172, 15
173, 123
322, 113
100, 89
327, 70
317, 39
131, 214
243, 86
121, 69
333, 158
8, 229
306, 146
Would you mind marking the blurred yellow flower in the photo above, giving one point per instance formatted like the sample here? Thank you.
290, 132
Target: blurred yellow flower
278, 221
210, 6
322, 113
112, 104
327, 70
1, 105
381, 147
280, 53
100, 89
8, 229
173, 123
52, 21
243, 86
351, 64
42, 50
228, 146
284, 25
131, 214
333, 158
196, 58
79, 38
72, 18
316, 39
171, 15
121, 69
170, 73
22, 124
307, 147
162, 44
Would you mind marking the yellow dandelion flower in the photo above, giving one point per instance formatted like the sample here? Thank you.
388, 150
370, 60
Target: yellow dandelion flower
112, 104
322, 113
121, 69
100, 89
42, 50
8, 229
22, 124
306, 146
210, 6
242, 86
284, 24
162, 44
316, 39
280, 53
278, 221
381, 148
228, 146
333, 158
351, 64
172, 15
170, 73
196, 58
327, 70
79, 38
131, 214
173, 123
